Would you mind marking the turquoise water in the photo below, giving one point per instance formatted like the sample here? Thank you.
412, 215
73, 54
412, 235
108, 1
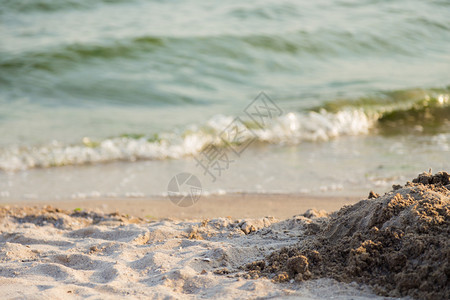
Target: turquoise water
154, 82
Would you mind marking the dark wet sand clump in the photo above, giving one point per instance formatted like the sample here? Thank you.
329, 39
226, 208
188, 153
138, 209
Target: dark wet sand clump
398, 243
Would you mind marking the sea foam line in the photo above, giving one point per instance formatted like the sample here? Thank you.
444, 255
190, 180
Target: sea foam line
291, 128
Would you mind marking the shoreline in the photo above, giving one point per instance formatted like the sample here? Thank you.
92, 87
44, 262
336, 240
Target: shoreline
280, 206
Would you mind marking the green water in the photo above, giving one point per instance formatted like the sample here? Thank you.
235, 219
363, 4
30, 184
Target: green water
109, 80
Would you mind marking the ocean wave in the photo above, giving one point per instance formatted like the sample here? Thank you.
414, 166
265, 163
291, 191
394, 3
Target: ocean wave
59, 58
241, 47
391, 100
291, 128
401, 111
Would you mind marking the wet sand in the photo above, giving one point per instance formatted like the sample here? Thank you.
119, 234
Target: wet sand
281, 206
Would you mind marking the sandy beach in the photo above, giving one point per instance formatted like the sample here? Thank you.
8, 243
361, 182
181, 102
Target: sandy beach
225, 247
224, 150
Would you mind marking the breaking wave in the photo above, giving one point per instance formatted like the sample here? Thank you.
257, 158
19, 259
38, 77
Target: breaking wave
321, 124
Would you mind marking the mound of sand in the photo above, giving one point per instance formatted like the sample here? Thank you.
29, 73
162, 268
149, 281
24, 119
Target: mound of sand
398, 243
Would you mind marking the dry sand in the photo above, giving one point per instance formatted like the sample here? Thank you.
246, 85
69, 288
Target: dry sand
53, 253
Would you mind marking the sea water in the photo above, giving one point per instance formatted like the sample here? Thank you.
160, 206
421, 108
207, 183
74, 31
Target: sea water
113, 98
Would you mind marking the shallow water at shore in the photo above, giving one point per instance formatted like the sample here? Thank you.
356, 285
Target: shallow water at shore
349, 166
133, 90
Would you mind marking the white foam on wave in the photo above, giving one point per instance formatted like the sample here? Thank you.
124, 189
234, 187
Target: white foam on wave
316, 126
291, 128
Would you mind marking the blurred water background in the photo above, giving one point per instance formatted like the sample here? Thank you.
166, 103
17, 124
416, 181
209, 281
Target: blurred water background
111, 98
